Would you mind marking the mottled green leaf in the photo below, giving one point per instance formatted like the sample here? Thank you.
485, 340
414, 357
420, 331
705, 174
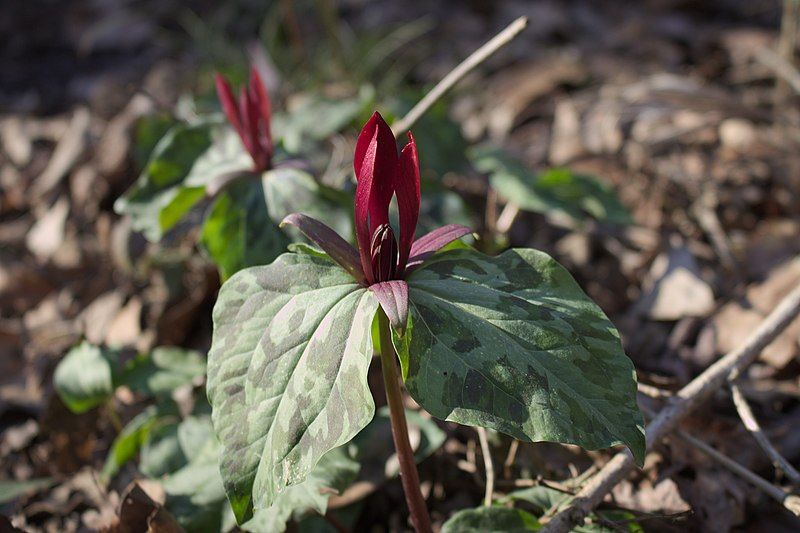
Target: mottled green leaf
173, 181
491, 520
553, 191
84, 378
333, 473
287, 373
513, 344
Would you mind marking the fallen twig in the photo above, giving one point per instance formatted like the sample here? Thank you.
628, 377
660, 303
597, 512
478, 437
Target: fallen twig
750, 422
488, 466
455, 75
683, 403
790, 501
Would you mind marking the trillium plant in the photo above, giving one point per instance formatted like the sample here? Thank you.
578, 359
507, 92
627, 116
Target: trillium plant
509, 343
242, 170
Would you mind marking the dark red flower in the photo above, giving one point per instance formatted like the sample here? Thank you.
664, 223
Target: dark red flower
382, 261
250, 117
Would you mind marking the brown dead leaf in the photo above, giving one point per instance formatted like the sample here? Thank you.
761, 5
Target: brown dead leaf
114, 147
125, 329
737, 320
47, 234
141, 510
69, 149
98, 316
663, 496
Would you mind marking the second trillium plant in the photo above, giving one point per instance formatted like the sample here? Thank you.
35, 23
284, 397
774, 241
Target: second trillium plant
509, 343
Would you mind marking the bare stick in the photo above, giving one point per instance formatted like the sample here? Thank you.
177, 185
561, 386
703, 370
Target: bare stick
750, 422
506, 218
510, 458
786, 44
786, 72
791, 502
476, 58
488, 465
683, 403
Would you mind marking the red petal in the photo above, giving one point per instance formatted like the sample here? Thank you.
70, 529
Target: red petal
429, 243
228, 102
335, 246
375, 163
261, 99
406, 187
248, 122
260, 92
393, 297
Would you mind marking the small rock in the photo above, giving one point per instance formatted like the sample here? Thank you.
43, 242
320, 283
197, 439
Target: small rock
674, 289
737, 134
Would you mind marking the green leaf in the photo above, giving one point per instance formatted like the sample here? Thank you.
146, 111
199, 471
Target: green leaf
84, 378
542, 499
162, 371
317, 119
11, 490
128, 442
513, 344
366, 456
195, 493
238, 231
290, 190
287, 373
491, 520
241, 229
161, 452
334, 472
183, 162
193, 433
148, 131
553, 191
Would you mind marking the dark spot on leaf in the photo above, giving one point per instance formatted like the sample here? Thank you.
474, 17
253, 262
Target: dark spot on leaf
466, 345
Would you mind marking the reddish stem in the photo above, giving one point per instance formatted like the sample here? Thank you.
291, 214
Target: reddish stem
397, 415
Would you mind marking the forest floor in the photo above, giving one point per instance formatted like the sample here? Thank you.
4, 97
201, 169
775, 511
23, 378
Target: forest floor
684, 109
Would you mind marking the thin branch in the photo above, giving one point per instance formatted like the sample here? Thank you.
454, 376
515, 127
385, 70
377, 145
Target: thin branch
684, 402
510, 458
785, 70
506, 219
488, 465
654, 392
791, 502
787, 42
476, 58
750, 422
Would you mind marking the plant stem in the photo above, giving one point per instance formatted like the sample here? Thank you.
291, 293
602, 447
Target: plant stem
405, 455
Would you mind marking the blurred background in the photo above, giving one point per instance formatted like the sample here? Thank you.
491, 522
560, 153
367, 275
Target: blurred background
652, 147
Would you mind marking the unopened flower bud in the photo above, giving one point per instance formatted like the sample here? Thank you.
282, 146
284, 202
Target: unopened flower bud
383, 252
